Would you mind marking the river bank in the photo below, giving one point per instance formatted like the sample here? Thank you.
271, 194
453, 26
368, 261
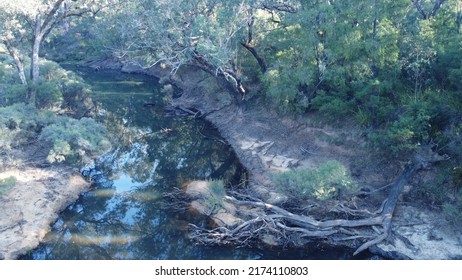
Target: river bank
33, 204
266, 142
40, 153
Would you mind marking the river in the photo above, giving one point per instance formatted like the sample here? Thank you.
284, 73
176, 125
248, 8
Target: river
126, 214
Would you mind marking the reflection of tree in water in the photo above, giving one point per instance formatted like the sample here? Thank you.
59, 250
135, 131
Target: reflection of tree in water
124, 217
182, 153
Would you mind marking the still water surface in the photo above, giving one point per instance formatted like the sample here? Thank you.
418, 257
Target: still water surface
126, 214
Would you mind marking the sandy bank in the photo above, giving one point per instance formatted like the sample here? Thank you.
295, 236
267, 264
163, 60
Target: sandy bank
33, 204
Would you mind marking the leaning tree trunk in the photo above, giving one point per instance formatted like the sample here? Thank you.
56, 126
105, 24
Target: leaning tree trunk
232, 79
19, 63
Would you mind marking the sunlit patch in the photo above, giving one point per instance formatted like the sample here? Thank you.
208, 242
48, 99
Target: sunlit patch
103, 193
145, 196
125, 82
86, 240
143, 93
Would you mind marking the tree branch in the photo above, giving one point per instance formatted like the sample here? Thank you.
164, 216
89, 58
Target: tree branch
436, 7
419, 7
51, 15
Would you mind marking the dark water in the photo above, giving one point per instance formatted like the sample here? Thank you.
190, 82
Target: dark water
126, 215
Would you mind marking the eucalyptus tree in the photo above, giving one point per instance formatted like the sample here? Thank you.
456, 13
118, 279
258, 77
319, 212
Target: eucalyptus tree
25, 24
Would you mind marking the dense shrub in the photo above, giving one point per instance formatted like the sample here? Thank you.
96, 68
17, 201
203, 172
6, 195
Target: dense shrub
74, 140
403, 136
324, 183
454, 210
66, 139
285, 89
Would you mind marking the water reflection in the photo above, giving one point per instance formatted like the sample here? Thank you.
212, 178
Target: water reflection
124, 216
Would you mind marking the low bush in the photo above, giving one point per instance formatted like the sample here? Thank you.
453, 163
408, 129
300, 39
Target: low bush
443, 191
324, 183
403, 137
70, 140
214, 201
75, 140
453, 211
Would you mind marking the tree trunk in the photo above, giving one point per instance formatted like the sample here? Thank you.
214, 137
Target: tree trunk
34, 65
233, 82
419, 7
19, 63
260, 60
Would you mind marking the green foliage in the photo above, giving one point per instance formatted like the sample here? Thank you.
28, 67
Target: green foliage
214, 201
324, 183
70, 140
6, 184
56, 88
332, 106
59, 87
217, 187
454, 210
283, 89
61, 149
404, 135
74, 140
48, 93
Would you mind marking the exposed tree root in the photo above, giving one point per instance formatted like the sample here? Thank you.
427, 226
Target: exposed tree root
373, 227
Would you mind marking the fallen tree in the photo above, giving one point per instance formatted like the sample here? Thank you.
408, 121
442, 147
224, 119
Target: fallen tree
263, 219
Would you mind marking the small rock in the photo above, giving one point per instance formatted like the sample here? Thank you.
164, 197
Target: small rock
270, 240
200, 207
435, 235
226, 219
276, 198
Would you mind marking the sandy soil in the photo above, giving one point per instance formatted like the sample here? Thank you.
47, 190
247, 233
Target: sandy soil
33, 204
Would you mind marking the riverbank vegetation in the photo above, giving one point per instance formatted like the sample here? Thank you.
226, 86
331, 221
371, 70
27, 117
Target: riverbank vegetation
391, 69
54, 128
30, 136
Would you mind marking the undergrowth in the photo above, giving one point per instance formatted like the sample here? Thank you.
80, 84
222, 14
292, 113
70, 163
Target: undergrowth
324, 183
65, 139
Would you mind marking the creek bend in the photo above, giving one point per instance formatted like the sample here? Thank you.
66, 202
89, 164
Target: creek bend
125, 215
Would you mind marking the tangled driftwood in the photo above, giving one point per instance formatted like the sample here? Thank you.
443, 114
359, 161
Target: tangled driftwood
263, 218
